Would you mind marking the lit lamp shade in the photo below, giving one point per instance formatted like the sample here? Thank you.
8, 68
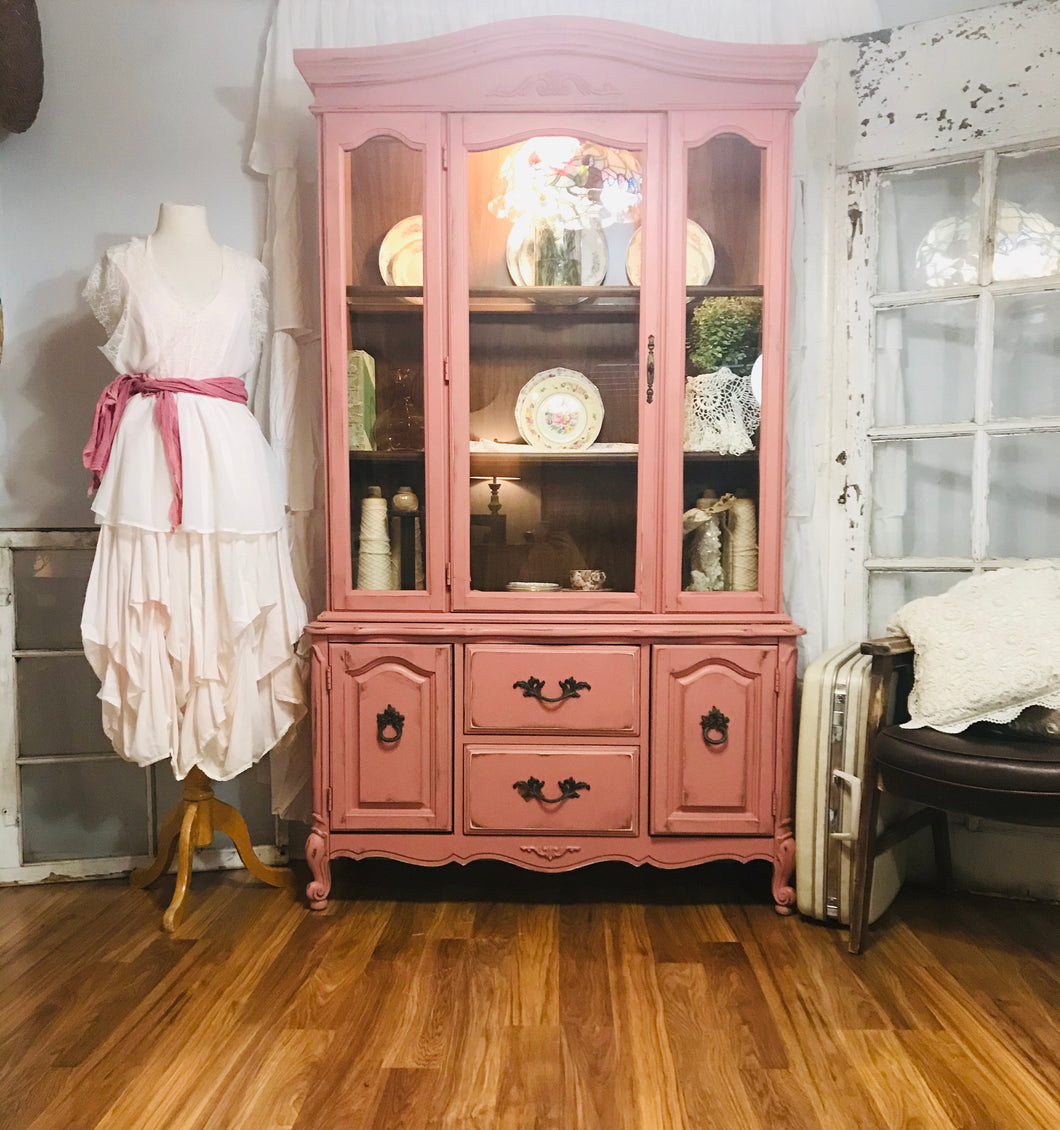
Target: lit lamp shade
1026, 246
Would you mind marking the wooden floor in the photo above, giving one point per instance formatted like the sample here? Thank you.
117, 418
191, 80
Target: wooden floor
488, 997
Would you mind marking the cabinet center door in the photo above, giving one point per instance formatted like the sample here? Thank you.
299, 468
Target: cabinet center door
554, 249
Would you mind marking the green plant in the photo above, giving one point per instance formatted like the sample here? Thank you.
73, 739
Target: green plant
726, 330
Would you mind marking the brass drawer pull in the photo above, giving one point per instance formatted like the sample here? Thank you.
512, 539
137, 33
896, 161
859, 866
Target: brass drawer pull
390, 719
715, 723
532, 688
532, 789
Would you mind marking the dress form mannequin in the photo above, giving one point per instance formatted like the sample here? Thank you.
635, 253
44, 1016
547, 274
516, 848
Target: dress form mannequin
207, 282
187, 256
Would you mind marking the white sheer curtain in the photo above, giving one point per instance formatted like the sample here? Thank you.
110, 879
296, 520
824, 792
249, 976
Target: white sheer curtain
284, 150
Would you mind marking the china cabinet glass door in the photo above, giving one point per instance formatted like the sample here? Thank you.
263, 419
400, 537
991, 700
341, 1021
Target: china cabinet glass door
552, 425
724, 504
388, 266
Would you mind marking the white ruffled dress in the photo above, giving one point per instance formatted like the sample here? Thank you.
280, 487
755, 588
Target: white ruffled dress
191, 631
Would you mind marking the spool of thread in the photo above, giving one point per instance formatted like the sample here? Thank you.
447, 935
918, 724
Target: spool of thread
739, 551
373, 563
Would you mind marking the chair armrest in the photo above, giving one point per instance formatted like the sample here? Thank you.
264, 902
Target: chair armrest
887, 645
891, 679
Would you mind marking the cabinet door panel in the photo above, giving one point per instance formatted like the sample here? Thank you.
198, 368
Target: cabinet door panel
391, 737
713, 739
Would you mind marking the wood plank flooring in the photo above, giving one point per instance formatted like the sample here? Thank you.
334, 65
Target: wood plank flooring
493, 999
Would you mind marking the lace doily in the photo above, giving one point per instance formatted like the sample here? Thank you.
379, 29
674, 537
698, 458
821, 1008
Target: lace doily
986, 649
721, 413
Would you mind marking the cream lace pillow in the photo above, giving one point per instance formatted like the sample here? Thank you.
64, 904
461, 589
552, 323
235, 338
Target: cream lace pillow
986, 649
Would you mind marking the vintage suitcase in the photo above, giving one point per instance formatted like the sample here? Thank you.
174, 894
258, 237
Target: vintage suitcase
828, 791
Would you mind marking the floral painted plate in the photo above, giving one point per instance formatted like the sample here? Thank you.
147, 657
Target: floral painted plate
559, 410
699, 256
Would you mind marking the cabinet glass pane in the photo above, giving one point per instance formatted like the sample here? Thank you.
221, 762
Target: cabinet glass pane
922, 498
554, 308
83, 810
1027, 228
1023, 507
1026, 355
723, 369
925, 364
49, 594
929, 228
888, 591
58, 708
385, 365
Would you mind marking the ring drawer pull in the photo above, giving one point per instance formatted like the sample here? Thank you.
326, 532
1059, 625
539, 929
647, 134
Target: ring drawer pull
715, 723
390, 719
568, 688
532, 789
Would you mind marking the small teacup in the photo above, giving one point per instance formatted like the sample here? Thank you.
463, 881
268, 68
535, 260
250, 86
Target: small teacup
587, 579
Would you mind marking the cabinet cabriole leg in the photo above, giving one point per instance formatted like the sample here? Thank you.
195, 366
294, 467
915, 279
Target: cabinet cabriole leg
316, 854
783, 869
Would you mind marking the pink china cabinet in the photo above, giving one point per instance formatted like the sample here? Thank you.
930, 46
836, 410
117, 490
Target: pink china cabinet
554, 259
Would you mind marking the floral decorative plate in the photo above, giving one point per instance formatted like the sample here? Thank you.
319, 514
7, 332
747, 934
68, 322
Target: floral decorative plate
401, 253
699, 256
521, 252
559, 410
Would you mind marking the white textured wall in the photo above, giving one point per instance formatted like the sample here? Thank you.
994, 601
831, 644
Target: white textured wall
144, 101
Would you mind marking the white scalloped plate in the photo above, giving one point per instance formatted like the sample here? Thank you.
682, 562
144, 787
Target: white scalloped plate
699, 256
559, 410
401, 253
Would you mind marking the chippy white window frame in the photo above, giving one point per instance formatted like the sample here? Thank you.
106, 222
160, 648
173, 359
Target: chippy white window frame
857, 461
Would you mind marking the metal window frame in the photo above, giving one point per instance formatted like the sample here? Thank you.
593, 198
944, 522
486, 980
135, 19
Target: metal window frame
13, 869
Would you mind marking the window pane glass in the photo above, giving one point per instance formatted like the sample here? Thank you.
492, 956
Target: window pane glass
921, 498
58, 708
385, 364
890, 591
83, 810
925, 364
1023, 508
1027, 228
1026, 355
554, 306
929, 228
49, 594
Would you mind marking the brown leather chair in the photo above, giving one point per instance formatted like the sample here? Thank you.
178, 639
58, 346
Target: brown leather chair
982, 771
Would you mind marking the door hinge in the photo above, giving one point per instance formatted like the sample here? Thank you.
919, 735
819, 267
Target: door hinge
448, 574
445, 369
327, 799
445, 156
772, 807
327, 679
776, 681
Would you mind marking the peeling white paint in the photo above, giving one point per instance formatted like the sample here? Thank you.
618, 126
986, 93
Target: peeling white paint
960, 83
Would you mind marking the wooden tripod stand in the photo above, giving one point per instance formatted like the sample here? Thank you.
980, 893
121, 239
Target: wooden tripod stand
192, 821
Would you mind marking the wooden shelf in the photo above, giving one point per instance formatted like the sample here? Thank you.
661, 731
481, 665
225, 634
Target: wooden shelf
539, 300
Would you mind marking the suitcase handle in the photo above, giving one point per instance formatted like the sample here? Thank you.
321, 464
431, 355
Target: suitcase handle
855, 804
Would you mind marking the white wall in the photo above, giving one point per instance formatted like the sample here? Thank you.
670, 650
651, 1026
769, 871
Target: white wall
144, 101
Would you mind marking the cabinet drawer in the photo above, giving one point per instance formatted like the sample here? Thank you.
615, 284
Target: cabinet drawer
509, 688
391, 738
532, 789
713, 723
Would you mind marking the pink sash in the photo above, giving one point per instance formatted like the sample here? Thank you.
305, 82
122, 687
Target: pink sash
111, 406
